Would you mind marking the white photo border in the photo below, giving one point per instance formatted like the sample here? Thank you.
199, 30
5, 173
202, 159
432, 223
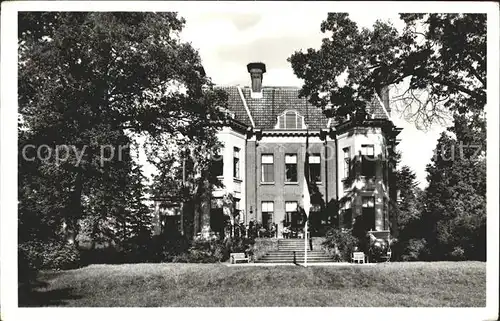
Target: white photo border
8, 161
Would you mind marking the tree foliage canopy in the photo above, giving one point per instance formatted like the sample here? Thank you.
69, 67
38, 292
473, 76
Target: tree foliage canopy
455, 200
435, 68
436, 64
90, 81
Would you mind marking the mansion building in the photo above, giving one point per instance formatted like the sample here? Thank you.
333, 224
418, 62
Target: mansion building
262, 162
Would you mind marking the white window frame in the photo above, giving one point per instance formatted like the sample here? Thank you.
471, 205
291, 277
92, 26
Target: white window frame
266, 159
366, 147
316, 160
220, 158
367, 204
293, 208
236, 155
299, 120
347, 152
267, 206
291, 159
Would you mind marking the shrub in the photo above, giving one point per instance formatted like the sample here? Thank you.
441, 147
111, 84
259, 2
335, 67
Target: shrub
35, 255
164, 248
340, 243
29, 261
238, 245
138, 248
412, 250
458, 253
378, 249
204, 251
100, 255
181, 258
63, 256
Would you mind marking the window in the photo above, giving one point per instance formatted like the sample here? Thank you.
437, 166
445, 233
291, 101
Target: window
290, 120
368, 202
217, 215
290, 212
172, 224
347, 215
218, 164
347, 162
315, 167
236, 162
267, 161
368, 213
367, 167
290, 167
368, 161
267, 214
236, 208
293, 218
170, 218
367, 150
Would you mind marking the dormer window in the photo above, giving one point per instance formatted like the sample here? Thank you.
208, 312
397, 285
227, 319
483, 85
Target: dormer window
290, 120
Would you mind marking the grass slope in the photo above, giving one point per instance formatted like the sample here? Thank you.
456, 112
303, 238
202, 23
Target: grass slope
454, 284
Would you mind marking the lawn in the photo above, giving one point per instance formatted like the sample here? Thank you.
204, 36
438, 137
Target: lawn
451, 284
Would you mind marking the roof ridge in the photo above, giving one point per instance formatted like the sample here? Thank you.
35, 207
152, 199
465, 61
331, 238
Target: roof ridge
245, 105
383, 106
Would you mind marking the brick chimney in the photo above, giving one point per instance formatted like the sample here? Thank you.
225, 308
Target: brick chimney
256, 70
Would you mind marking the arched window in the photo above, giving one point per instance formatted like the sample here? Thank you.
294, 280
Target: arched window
290, 120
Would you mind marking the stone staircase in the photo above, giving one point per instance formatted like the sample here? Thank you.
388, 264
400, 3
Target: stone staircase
292, 251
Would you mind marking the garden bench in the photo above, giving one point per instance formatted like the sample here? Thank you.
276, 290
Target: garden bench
358, 257
239, 257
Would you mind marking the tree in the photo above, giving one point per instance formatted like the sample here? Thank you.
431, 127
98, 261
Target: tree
409, 192
455, 200
408, 211
90, 81
185, 173
136, 219
437, 64
437, 67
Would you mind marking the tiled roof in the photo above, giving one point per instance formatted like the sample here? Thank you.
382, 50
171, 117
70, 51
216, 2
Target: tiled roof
235, 104
376, 109
275, 100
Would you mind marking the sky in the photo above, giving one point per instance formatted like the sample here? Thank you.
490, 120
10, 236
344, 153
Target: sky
227, 41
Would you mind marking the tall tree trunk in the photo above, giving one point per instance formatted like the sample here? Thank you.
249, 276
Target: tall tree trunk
205, 208
74, 211
202, 209
196, 216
